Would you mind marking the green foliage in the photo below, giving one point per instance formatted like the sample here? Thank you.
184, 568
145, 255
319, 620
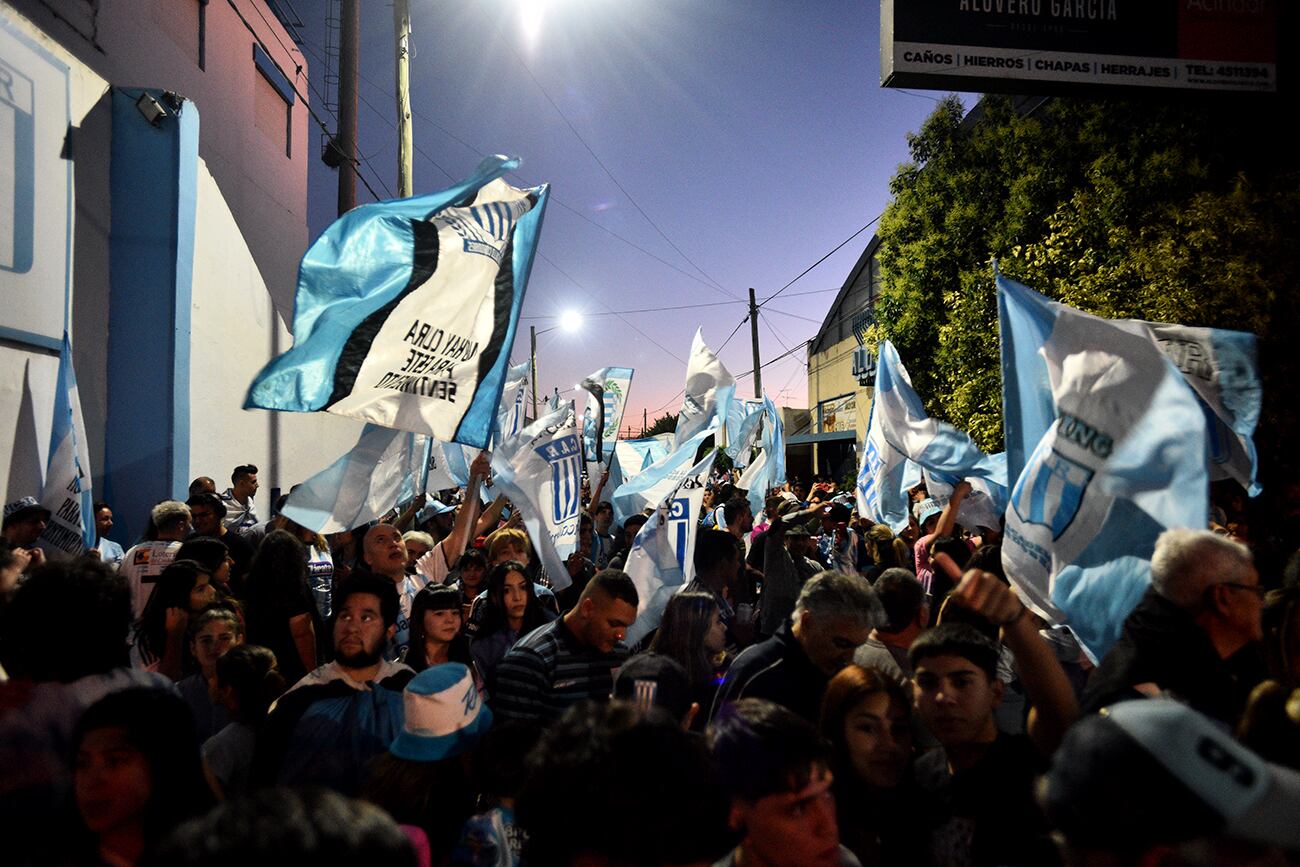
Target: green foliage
663, 424
1146, 209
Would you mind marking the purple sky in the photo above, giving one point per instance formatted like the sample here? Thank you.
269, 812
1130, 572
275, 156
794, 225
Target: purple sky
754, 135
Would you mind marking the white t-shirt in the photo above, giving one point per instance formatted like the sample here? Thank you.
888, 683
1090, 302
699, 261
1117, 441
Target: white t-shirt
141, 567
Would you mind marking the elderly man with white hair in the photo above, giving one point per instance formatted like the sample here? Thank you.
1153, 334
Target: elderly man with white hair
1193, 636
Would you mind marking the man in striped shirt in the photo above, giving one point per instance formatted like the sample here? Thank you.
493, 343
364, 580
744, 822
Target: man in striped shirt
572, 658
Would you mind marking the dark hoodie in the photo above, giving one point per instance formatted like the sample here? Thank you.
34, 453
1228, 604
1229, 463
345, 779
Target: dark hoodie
1161, 644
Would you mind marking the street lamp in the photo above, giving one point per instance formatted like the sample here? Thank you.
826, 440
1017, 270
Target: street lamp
570, 321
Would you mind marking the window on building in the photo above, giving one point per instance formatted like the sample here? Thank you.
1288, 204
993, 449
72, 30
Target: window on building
274, 100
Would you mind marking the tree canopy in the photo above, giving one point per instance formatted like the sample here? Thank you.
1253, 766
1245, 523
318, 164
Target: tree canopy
1152, 209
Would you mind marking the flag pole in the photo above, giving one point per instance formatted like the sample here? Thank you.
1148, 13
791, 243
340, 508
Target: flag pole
402, 23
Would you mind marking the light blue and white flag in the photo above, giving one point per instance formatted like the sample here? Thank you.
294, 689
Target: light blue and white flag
709, 389
662, 559
767, 471
510, 416
540, 470
1123, 460
654, 483
986, 502
384, 468
449, 466
630, 457
603, 412
743, 418
406, 310
885, 475
67, 489
1220, 365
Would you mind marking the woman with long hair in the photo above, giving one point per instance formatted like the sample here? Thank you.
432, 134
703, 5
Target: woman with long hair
436, 635
183, 589
136, 772
247, 684
282, 615
511, 611
867, 718
692, 632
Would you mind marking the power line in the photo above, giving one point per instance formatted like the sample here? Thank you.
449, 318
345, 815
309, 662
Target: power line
306, 102
605, 168
819, 261
592, 296
644, 310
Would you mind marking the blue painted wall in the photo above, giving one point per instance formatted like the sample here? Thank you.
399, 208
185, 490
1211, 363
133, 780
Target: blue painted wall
154, 179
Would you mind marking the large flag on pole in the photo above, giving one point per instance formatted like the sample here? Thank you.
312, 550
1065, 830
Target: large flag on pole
603, 413
1220, 366
767, 470
406, 310
1123, 460
540, 470
945, 454
650, 486
709, 389
67, 489
384, 468
662, 559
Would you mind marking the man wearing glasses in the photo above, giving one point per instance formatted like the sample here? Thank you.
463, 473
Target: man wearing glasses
1193, 636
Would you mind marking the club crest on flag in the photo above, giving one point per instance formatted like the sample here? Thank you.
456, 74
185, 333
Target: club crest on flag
485, 228
565, 459
1050, 490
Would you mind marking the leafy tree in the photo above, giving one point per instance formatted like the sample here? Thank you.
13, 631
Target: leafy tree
663, 424
1158, 210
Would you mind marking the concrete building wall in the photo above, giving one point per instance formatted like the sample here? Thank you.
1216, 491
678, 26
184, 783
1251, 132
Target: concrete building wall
156, 44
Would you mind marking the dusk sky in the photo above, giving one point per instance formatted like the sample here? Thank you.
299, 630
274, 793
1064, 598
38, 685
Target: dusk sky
748, 139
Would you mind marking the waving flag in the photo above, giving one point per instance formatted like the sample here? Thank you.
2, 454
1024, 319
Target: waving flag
709, 389
766, 471
743, 417
900, 430
1123, 460
650, 486
384, 468
1220, 366
67, 490
406, 310
662, 559
540, 470
510, 415
603, 413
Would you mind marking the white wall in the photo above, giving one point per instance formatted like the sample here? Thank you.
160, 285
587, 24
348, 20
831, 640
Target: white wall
235, 331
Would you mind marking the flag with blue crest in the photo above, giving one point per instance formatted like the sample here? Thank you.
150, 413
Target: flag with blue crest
540, 470
1123, 460
1220, 365
67, 489
384, 468
661, 561
903, 440
406, 310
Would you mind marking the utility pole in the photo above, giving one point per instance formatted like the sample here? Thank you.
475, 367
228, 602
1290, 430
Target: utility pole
345, 141
753, 336
645, 425
532, 360
402, 23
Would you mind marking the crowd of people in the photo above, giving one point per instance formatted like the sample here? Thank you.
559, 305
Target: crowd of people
419, 691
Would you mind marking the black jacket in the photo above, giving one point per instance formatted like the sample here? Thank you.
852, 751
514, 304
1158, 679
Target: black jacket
778, 670
1161, 644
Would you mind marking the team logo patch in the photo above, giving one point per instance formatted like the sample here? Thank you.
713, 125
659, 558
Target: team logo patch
1050, 490
565, 458
485, 228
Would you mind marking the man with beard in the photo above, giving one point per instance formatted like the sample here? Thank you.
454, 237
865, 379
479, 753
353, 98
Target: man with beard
329, 725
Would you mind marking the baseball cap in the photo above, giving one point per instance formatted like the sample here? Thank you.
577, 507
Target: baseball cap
837, 512
1152, 771
655, 679
21, 510
927, 509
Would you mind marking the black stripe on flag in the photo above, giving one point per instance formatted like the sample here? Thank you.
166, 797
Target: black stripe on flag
424, 261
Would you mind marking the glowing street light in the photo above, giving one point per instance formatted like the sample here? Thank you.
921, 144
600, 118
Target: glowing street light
570, 322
